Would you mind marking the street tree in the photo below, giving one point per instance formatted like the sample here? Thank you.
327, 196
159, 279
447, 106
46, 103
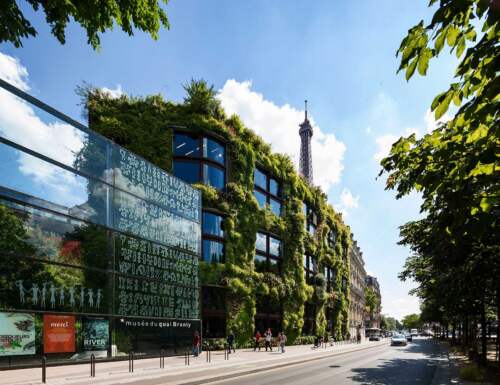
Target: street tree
455, 168
94, 17
412, 321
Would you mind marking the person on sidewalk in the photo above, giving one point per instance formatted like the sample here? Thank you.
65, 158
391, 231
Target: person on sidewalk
230, 342
269, 338
196, 344
257, 341
282, 341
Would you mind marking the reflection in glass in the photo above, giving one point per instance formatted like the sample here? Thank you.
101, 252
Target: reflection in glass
274, 246
260, 263
274, 187
260, 179
213, 150
261, 198
260, 243
305, 262
188, 171
275, 207
213, 251
186, 145
64, 191
213, 176
212, 224
274, 266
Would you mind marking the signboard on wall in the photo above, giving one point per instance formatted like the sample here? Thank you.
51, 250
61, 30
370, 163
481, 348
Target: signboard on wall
95, 334
17, 334
58, 333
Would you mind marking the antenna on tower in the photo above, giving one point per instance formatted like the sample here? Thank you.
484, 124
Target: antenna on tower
305, 102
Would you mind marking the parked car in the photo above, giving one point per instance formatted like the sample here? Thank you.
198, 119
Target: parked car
398, 340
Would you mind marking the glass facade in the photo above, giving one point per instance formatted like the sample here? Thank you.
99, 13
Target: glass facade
199, 159
267, 192
310, 268
213, 238
268, 253
98, 235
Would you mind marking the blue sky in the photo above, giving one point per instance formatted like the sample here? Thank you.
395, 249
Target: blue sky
266, 57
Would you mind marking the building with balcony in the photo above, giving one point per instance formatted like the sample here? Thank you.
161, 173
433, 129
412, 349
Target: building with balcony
357, 291
372, 319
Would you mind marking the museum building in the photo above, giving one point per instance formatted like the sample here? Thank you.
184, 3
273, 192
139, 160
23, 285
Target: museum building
275, 254
99, 248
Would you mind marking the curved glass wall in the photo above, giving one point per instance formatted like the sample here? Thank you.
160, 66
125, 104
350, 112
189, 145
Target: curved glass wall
99, 236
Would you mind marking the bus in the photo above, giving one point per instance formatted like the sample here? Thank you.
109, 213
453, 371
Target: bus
373, 334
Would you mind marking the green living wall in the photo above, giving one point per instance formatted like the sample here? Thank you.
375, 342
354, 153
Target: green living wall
146, 125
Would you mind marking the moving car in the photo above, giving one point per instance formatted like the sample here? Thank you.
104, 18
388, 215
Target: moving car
398, 340
409, 337
414, 332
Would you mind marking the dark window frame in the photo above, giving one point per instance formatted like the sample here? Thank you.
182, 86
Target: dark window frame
200, 159
212, 237
267, 191
267, 253
309, 271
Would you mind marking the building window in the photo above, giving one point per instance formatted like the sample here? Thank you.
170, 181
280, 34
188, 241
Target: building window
267, 253
267, 191
213, 238
310, 268
311, 222
199, 159
332, 238
330, 276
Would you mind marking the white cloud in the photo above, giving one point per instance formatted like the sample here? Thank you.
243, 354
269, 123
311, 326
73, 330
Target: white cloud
347, 202
279, 126
371, 273
21, 123
384, 144
430, 122
113, 93
13, 72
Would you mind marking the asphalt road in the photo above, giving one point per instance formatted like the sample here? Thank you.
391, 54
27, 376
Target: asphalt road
413, 364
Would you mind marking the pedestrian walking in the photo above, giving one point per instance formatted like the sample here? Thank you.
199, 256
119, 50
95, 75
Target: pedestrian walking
230, 342
257, 341
196, 344
268, 335
282, 341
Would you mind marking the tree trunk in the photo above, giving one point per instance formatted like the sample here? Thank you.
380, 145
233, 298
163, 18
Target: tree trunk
484, 340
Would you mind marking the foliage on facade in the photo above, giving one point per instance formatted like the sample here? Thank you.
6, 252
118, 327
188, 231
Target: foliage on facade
146, 126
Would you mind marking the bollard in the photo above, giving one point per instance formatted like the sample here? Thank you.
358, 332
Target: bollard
44, 369
186, 359
162, 359
207, 350
92, 365
131, 361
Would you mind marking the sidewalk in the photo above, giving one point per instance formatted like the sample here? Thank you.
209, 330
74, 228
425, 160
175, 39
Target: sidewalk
175, 370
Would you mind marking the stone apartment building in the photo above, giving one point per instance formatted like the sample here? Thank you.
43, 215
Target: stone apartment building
357, 291
373, 320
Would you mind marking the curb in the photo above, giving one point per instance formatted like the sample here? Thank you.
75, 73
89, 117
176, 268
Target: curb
272, 367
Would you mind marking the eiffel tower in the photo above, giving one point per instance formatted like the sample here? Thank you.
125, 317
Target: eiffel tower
306, 134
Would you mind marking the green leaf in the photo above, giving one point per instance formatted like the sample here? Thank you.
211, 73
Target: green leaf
482, 169
485, 204
411, 69
443, 106
460, 46
438, 46
423, 61
457, 98
451, 36
471, 35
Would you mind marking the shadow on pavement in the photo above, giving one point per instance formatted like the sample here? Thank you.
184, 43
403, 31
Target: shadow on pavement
403, 370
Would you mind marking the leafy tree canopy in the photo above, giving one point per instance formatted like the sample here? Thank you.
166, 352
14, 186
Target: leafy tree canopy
455, 167
412, 321
94, 16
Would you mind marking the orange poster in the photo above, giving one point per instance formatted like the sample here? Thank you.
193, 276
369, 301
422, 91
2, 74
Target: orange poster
58, 333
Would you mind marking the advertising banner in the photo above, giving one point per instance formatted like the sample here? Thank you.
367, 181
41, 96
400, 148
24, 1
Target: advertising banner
17, 334
95, 334
58, 333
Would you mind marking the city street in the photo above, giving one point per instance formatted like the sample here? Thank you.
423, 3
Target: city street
413, 364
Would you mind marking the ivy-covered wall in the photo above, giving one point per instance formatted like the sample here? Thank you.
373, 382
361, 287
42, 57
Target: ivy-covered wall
146, 125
